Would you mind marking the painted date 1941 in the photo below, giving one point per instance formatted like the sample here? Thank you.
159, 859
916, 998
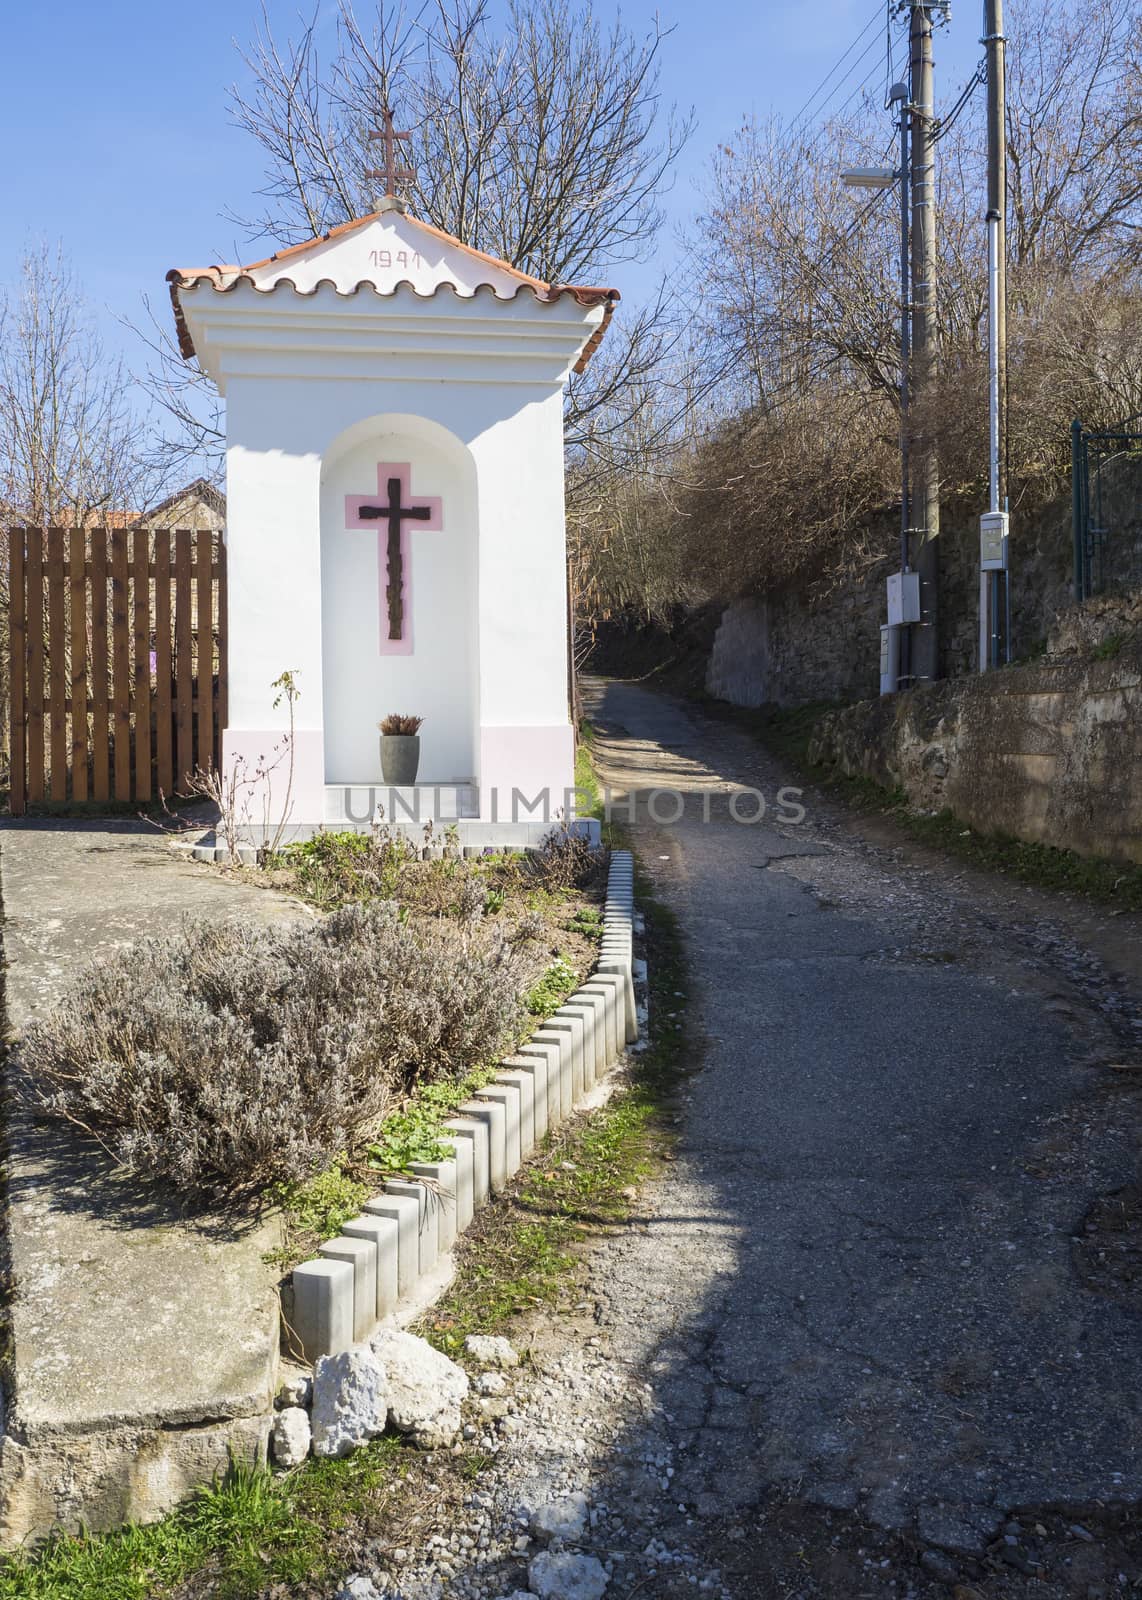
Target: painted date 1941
394, 258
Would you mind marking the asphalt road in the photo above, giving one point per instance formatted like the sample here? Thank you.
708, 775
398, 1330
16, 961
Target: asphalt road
858, 1283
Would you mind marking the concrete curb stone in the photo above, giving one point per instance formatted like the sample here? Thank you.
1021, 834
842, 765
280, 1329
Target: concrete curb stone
381, 1255
383, 1232
507, 1095
406, 1214
493, 1117
427, 1222
361, 1254
474, 1133
441, 1198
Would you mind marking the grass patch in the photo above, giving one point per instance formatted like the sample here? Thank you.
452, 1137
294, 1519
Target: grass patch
523, 1253
233, 1540
243, 1533
1114, 883
590, 798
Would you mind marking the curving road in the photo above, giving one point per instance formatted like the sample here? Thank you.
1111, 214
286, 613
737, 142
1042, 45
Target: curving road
860, 1288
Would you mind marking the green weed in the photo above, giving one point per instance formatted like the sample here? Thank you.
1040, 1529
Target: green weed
587, 920
590, 799
1109, 648
546, 995
415, 1132
316, 1210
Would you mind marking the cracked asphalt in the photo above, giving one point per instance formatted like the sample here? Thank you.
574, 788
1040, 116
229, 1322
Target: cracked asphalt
857, 1283
849, 1344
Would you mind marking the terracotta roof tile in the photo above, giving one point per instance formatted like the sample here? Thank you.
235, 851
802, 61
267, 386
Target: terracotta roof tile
225, 278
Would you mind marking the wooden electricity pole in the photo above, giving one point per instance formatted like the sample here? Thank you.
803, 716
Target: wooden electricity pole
995, 577
925, 459
994, 43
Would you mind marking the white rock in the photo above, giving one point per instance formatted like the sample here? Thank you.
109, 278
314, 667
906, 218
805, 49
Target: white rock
561, 1519
358, 1588
296, 1388
291, 1436
350, 1401
425, 1389
566, 1577
519, 1594
490, 1350
490, 1383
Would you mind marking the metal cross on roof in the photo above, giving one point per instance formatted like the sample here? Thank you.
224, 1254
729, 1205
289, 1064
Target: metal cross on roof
390, 172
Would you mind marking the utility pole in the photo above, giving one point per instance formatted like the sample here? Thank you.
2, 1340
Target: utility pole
898, 95
994, 577
895, 659
926, 475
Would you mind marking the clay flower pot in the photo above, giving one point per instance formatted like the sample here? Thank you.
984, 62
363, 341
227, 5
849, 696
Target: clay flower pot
400, 757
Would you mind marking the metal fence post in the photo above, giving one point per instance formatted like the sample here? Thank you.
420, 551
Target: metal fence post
1077, 503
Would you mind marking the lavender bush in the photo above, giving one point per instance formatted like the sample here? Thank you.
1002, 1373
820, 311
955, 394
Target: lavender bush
231, 1057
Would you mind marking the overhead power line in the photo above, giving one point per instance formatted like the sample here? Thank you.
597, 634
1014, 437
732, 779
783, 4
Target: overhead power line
802, 115
775, 395
947, 122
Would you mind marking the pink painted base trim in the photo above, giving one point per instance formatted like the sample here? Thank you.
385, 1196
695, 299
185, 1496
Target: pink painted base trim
307, 793
433, 523
533, 760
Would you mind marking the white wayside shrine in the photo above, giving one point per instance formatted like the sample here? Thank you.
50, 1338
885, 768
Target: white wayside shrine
395, 523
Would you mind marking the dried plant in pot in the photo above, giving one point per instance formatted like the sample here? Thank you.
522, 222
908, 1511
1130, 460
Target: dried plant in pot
400, 749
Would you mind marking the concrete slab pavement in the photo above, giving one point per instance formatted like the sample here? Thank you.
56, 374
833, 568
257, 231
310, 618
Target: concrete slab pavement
138, 1330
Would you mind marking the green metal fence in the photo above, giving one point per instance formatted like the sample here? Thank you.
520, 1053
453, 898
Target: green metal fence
1106, 517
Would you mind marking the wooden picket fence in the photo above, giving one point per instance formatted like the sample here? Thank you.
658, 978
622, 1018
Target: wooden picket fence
117, 661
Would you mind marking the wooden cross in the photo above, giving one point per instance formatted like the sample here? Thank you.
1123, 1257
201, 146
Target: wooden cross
394, 481
390, 172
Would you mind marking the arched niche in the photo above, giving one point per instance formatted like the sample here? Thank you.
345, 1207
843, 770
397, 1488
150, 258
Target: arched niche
420, 657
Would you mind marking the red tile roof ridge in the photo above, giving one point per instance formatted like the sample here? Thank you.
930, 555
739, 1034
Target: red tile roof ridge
225, 278
544, 290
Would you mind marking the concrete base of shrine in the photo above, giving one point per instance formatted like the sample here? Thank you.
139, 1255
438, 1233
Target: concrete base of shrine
469, 835
357, 805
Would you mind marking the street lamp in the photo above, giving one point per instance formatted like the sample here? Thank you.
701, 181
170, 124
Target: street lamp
869, 177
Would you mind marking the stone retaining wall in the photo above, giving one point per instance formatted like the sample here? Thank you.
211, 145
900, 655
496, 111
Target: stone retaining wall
390, 1252
820, 640
1049, 752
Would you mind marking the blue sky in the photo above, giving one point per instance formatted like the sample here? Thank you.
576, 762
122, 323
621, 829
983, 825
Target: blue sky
116, 138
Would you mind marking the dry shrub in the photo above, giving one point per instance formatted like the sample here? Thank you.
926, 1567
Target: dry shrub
568, 860
231, 1057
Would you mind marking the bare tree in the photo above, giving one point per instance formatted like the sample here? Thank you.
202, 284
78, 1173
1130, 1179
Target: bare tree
799, 306
192, 438
72, 448
540, 142
1074, 128
69, 436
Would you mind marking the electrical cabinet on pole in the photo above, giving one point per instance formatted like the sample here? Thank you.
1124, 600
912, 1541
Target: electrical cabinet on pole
925, 643
994, 575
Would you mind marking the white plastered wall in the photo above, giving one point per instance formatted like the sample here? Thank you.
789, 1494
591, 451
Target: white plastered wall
439, 679
281, 428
